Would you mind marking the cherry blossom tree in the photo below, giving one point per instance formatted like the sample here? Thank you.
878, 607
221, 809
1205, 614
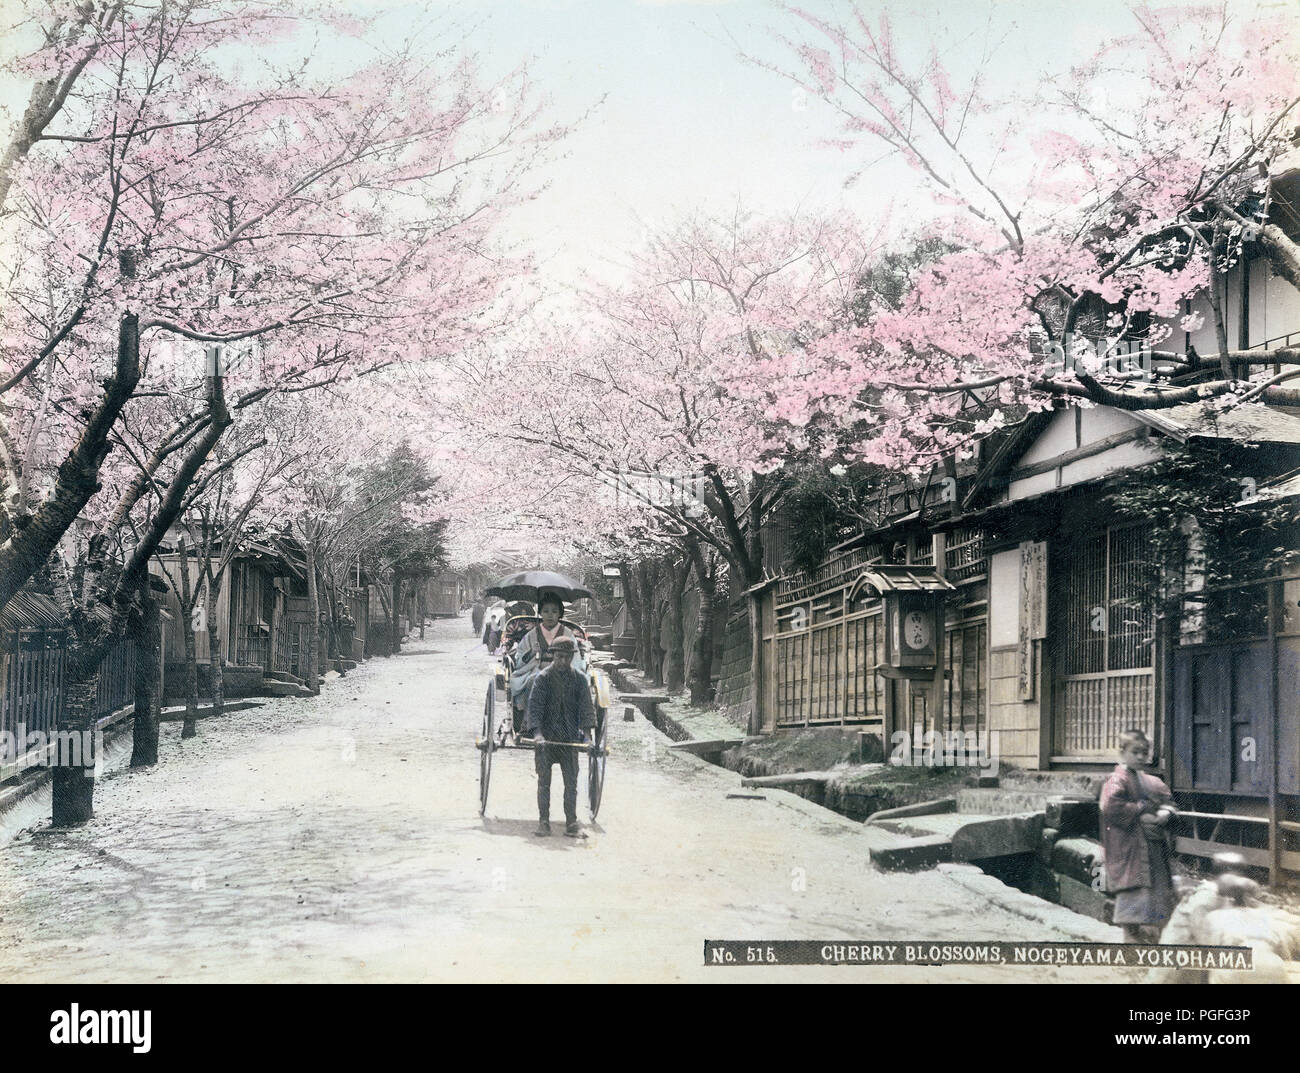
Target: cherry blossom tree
1100, 204
191, 227
640, 398
344, 216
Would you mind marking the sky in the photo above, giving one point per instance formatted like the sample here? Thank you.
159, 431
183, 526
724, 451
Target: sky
682, 123
677, 122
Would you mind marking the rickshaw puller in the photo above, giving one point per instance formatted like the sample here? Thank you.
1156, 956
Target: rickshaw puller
559, 710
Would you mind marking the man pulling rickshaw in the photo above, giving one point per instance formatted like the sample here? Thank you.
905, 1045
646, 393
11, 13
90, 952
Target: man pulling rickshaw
559, 710
568, 715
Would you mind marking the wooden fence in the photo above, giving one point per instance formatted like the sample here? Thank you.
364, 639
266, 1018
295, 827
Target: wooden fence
33, 670
32, 667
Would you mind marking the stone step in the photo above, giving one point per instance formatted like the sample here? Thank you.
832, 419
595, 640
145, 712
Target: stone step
1052, 782
918, 853
1000, 801
1077, 858
1081, 898
920, 808
998, 836
973, 837
273, 687
175, 713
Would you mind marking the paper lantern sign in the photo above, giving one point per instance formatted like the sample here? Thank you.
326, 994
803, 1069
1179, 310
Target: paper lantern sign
913, 604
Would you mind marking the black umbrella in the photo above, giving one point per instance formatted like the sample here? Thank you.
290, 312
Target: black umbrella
532, 585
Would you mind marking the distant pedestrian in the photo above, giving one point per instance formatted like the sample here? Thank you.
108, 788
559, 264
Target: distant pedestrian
493, 623
559, 710
476, 615
346, 628
1135, 812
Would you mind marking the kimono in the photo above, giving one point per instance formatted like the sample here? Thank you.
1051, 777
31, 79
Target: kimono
494, 622
1137, 856
531, 650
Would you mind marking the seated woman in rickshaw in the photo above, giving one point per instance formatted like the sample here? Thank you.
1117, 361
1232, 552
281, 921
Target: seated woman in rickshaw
531, 651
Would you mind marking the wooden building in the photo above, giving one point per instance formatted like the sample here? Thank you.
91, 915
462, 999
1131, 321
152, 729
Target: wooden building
1052, 640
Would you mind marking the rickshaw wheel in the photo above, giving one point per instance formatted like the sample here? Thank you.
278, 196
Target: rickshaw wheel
596, 763
486, 747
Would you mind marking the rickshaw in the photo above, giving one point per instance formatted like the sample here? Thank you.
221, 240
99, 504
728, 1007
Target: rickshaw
501, 730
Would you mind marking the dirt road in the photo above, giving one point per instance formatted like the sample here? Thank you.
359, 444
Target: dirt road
338, 838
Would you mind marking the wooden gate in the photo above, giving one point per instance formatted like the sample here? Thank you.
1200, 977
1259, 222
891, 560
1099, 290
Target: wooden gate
1223, 724
1233, 682
1236, 671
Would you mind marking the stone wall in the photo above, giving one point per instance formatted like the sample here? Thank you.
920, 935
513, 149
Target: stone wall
735, 681
235, 681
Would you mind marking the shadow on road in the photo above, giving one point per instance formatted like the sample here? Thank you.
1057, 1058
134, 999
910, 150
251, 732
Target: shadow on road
524, 829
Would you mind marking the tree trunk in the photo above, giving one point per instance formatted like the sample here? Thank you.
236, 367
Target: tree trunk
675, 673
25, 552
420, 608
630, 602
144, 729
646, 640
397, 613
754, 602
1217, 293
661, 653
721, 617
73, 785
385, 635
702, 647
330, 642
313, 620
190, 726
216, 664
1283, 253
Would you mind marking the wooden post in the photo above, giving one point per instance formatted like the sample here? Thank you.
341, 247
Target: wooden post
939, 545
1160, 681
842, 678
1274, 798
807, 640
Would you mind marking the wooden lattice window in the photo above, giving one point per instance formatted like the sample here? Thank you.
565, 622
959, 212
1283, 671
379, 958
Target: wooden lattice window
1106, 641
965, 554
1109, 612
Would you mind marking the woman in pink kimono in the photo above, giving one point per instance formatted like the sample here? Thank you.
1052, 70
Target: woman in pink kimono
1135, 813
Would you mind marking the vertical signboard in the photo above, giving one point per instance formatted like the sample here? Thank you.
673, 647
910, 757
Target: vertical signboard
1033, 610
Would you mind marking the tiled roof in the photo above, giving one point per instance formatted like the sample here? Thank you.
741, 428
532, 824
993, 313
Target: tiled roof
30, 611
1253, 422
